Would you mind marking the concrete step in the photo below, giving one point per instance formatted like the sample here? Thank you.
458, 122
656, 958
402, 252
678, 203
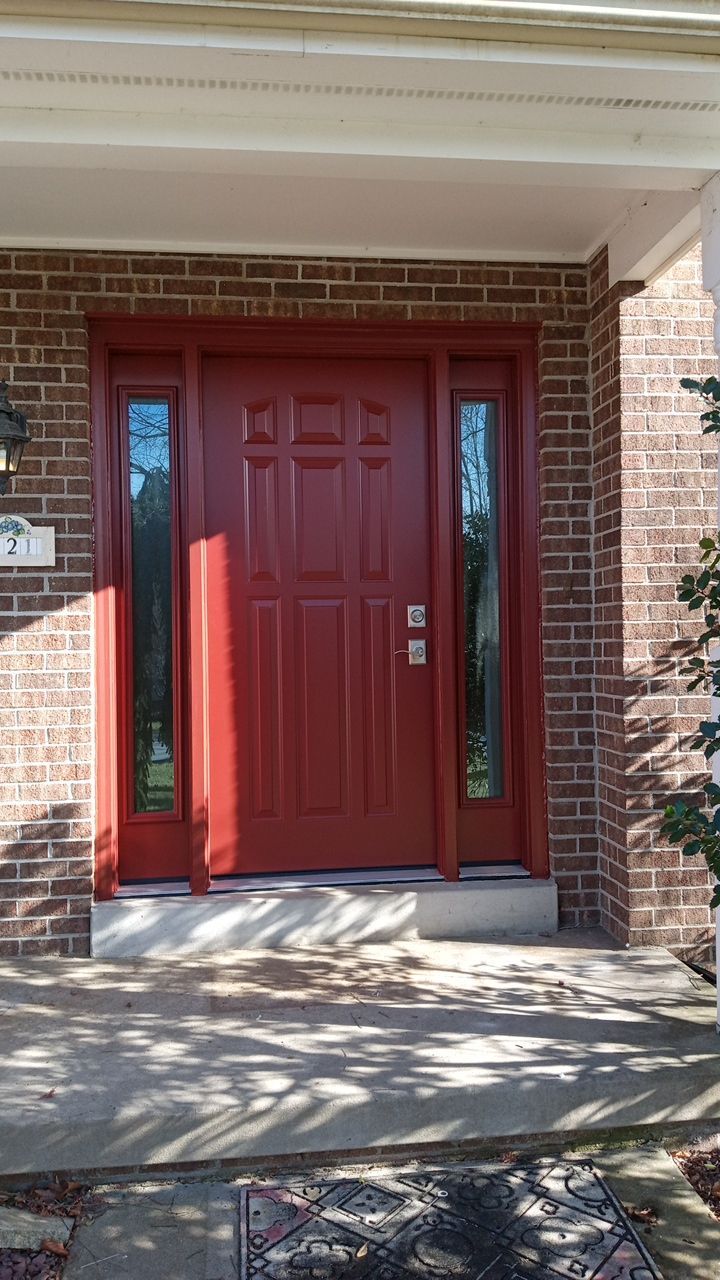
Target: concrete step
323, 916
261, 1054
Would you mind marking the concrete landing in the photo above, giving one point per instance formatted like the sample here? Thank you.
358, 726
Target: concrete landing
115, 1064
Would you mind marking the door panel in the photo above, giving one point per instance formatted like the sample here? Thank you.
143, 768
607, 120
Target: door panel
317, 523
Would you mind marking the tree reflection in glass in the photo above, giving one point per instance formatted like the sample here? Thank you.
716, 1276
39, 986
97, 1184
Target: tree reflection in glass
151, 524
480, 534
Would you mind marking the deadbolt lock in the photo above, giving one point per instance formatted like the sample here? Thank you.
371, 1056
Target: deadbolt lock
417, 615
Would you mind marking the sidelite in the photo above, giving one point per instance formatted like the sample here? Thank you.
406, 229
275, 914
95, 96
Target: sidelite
150, 480
483, 746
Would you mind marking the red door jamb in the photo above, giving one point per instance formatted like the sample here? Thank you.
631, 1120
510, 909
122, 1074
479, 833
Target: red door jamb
436, 344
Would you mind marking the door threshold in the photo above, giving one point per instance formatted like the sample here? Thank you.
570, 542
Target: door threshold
323, 880
380, 875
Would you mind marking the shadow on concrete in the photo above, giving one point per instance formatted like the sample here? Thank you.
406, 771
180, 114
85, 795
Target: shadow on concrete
256, 1054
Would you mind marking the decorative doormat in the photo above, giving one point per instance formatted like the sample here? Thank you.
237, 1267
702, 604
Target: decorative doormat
484, 1222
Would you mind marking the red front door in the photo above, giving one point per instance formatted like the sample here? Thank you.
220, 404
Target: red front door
318, 542
267, 518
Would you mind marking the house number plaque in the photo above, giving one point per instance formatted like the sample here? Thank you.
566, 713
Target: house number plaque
24, 546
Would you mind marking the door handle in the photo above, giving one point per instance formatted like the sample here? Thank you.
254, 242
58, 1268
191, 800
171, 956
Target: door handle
417, 653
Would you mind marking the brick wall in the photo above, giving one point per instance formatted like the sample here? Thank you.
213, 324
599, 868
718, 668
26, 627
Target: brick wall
654, 478
46, 794
567, 609
47, 788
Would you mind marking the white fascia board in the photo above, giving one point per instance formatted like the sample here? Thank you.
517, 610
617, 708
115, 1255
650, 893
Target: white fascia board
181, 28
45, 32
511, 52
653, 234
192, 35
54, 158
337, 137
296, 249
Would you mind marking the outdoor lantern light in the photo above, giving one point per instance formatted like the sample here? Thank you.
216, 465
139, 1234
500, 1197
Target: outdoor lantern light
14, 436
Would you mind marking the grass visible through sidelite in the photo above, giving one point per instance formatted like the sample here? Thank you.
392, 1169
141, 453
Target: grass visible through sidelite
160, 786
155, 775
477, 775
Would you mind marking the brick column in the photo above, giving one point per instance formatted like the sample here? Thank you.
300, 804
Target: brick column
654, 479
711, 280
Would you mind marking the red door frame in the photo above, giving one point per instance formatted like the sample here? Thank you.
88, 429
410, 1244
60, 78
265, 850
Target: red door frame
437, 345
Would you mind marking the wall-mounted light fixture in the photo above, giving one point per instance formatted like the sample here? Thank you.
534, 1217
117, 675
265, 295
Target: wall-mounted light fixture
14, 436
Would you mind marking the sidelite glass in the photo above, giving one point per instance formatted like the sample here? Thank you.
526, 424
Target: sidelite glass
152, 620
481, 586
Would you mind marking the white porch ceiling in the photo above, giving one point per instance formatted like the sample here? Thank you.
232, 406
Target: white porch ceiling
257, 212
320, 142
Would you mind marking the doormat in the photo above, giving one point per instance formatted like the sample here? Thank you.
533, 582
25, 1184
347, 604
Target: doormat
482, 1222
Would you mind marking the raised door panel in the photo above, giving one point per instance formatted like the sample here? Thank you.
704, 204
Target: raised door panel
379, 703
322, 706
317, 419
261, 519
319, 519
265, 709
260, 422
375, 519
374, 423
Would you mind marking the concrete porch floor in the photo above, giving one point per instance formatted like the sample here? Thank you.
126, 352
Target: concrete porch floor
122, 1064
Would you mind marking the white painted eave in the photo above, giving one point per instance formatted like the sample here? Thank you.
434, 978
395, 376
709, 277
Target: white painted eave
220, 135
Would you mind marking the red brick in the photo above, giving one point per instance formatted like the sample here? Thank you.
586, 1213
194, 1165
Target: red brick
624, 496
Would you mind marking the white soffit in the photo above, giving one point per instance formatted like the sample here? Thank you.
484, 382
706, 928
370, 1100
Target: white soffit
264, 213
298, 142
